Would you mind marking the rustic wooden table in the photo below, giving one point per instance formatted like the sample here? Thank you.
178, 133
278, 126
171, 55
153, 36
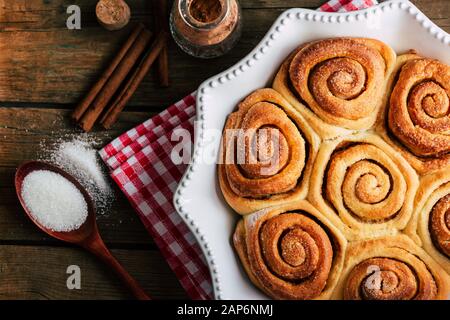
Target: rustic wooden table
44, 70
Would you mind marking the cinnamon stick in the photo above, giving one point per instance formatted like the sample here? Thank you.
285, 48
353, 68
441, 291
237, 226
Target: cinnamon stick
114, 82
163, 59
89, 98
111, 116
163, 67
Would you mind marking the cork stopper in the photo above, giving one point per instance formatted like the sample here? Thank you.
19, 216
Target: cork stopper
113, 14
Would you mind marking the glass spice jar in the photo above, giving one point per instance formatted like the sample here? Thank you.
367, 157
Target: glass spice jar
206, 28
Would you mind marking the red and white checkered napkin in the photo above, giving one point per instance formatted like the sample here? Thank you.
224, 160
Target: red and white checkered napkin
346, 5
140, 164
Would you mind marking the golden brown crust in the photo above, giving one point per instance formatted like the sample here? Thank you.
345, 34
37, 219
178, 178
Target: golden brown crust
391, 268
364, 186
379, 179
339, 85
249, 183
417, 121
291, 251
429, 226
440, 225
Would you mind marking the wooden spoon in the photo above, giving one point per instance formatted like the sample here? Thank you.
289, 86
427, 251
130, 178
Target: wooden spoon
87, 235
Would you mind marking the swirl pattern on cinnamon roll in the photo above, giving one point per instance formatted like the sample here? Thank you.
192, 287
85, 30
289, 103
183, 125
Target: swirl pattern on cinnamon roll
430, 225
267, 153
363, 185
391, 268
290, 252
418, 117
342, 81
440, 225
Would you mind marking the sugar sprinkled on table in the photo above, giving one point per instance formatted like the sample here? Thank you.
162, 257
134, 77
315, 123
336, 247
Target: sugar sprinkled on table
78, 156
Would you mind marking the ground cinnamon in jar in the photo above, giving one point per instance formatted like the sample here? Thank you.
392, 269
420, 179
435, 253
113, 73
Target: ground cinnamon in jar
205, 10
206, 28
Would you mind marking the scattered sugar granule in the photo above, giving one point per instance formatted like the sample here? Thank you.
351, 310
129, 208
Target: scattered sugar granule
79, 157
54, 201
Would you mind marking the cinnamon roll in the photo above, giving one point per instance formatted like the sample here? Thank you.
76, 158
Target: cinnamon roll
363, 186
337, 84
267, 153
417, 121
391, 268
291, 251
430, 225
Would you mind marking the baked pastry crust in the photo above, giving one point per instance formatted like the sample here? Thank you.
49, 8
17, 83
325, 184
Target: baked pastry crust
430, 225
291, 251
416, 120
339, 85
242, 185
390, 268
363, 186
365, 158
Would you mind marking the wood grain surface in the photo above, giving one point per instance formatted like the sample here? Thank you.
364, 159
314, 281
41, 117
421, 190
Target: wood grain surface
42, 61
44, 70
